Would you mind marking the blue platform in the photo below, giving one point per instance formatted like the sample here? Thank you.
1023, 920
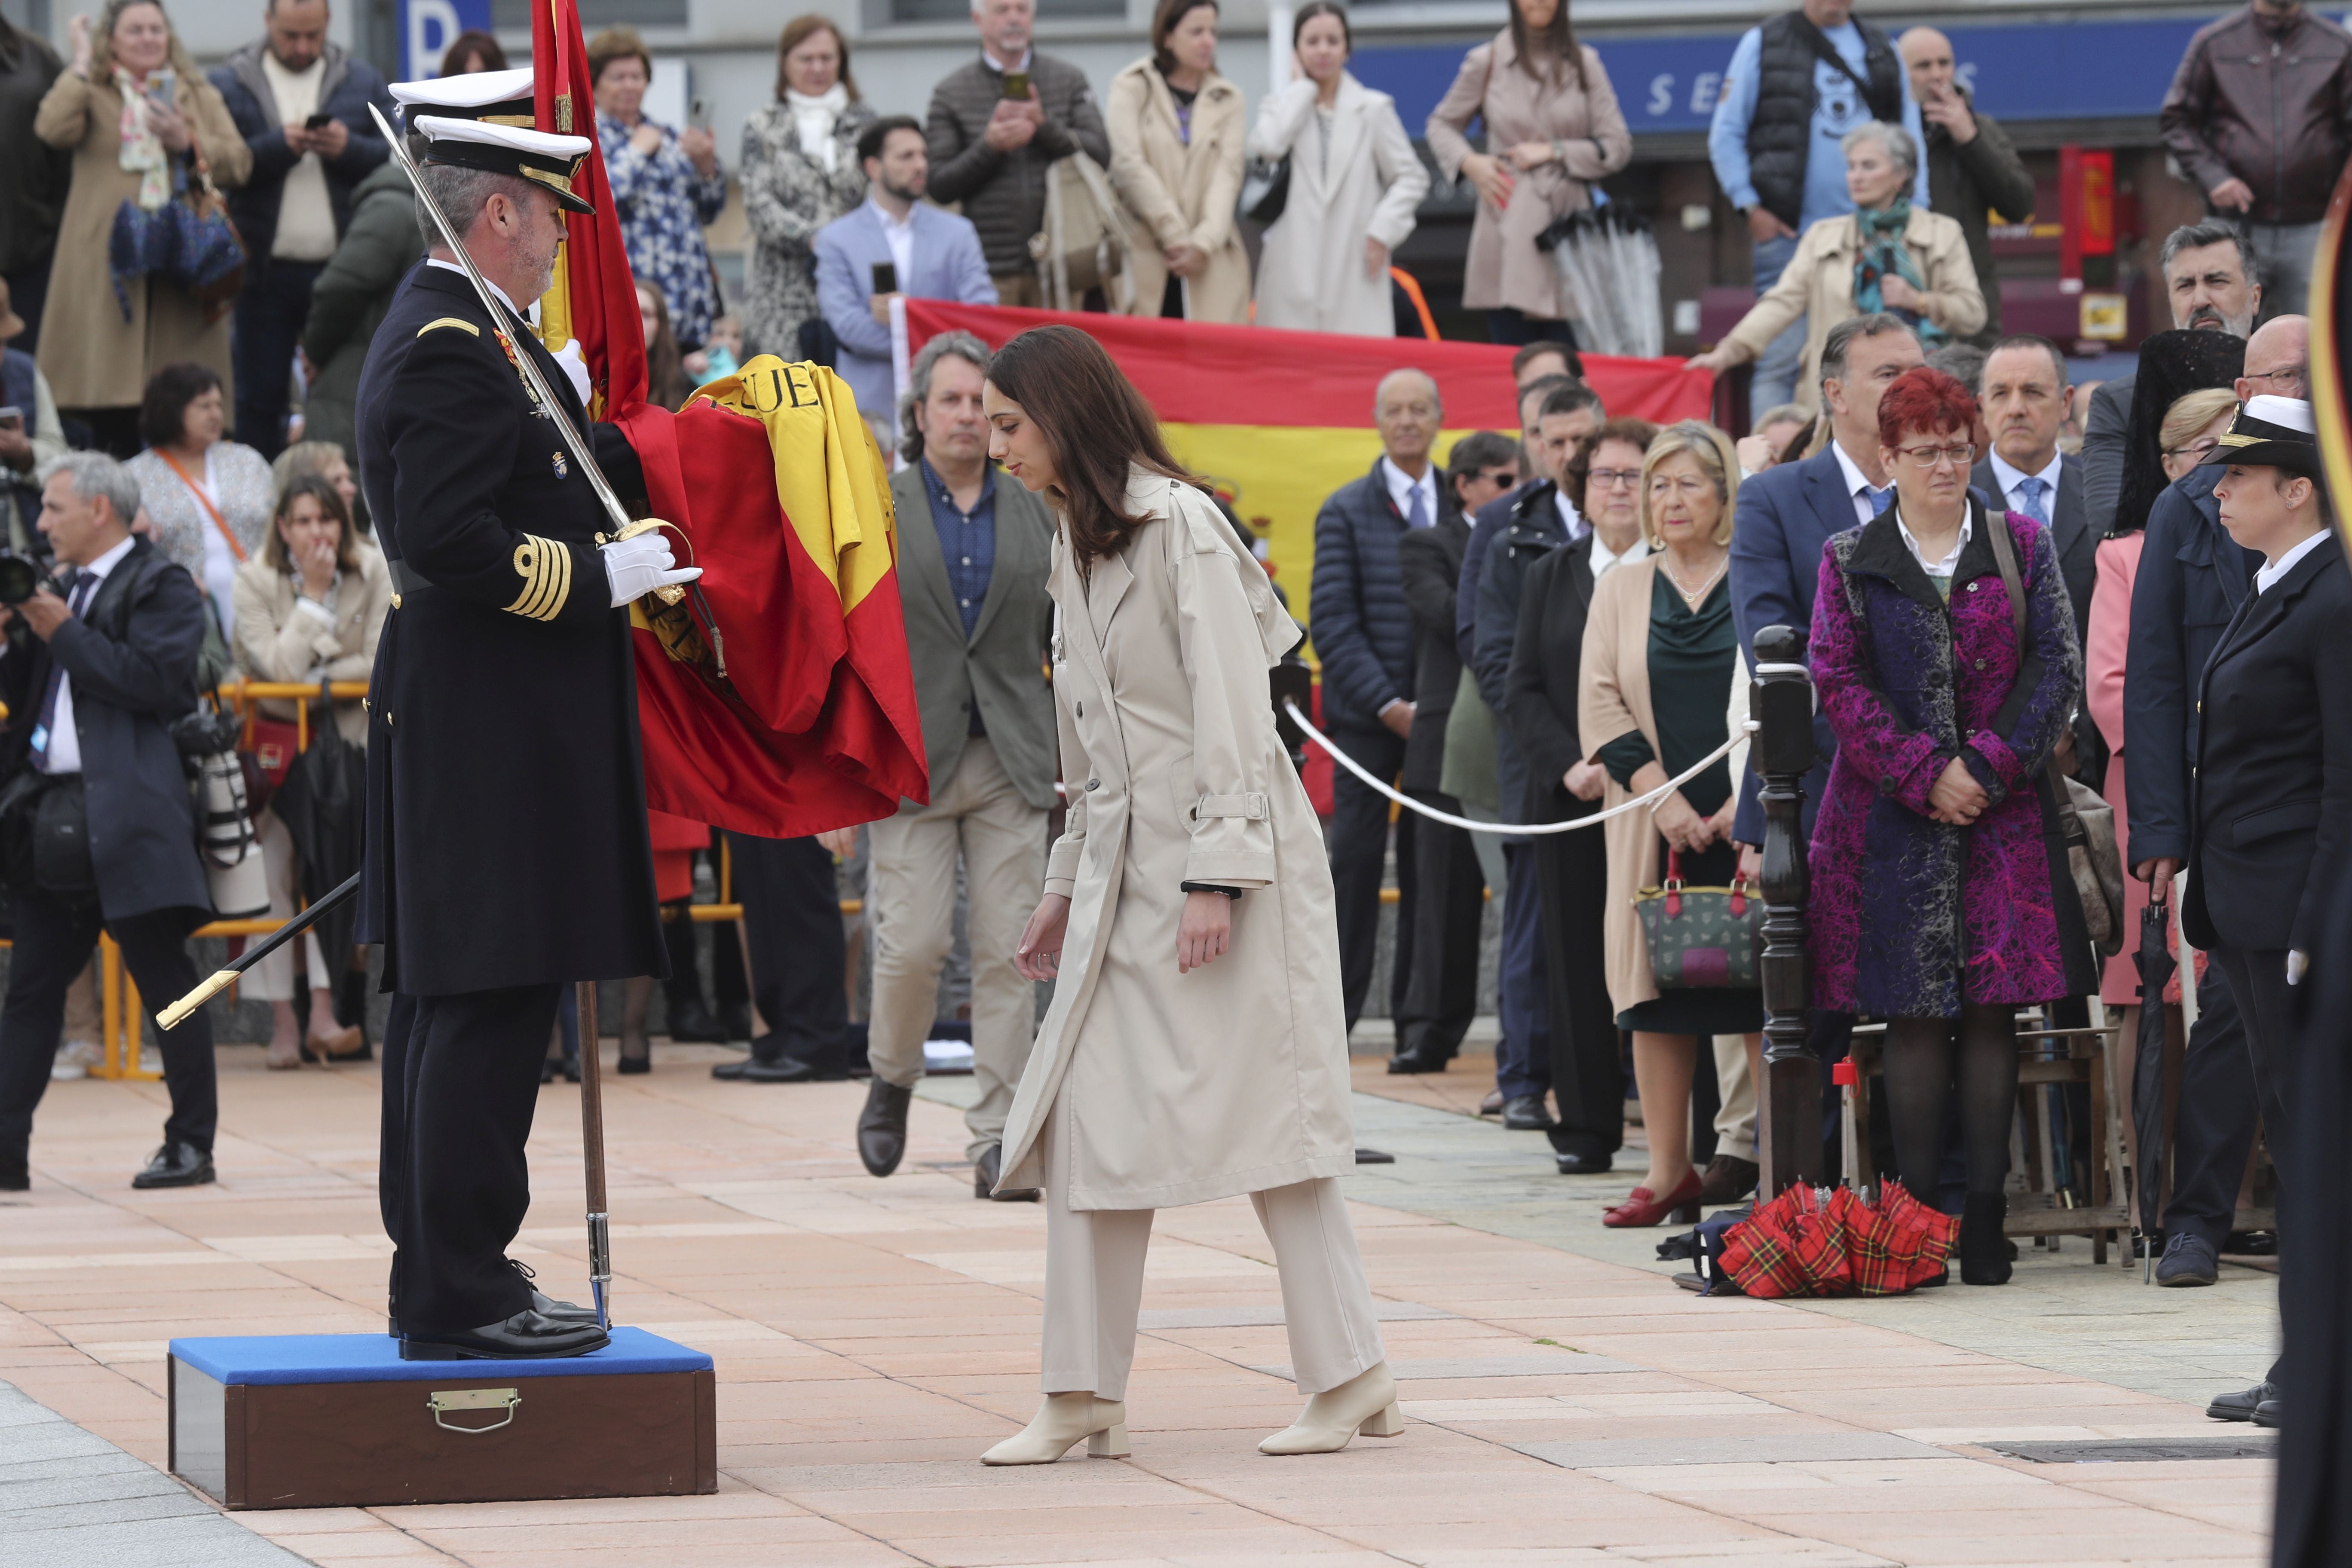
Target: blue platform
375, 1358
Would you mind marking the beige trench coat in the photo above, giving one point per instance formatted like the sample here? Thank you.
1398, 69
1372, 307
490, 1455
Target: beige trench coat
1180, 191
94, 358
1233, 1078
1504, 269
1616, 701
276, 641
1310, 275
1818, 284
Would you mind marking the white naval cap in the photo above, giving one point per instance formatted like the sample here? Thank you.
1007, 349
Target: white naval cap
541, 155
502, 98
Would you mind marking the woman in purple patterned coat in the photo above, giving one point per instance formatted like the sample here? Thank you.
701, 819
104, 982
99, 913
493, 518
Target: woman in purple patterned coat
1940, 899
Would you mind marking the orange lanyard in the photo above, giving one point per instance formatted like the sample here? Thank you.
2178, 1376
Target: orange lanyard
204, 500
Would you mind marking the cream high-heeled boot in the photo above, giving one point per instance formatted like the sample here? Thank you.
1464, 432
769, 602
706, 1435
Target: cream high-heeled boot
1059, 1423
1366, 1402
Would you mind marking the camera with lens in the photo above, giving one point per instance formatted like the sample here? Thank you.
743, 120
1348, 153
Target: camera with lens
22, 576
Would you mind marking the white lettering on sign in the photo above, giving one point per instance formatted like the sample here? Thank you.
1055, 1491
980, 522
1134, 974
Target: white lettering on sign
1704, 88
1662, 93
1965, 73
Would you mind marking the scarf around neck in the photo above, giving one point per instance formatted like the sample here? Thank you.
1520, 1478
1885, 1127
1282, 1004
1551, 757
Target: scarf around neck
1883, 253
815, 118
142, 150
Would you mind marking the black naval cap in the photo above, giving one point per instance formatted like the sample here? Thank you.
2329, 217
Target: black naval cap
540, 156
2270, 433
500, 98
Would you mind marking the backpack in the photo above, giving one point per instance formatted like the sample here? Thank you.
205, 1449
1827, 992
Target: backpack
1085, 238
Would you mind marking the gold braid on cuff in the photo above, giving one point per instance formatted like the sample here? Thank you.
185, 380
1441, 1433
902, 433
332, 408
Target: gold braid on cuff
545, 567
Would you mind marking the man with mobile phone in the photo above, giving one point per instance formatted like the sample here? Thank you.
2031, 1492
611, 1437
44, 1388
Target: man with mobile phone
300, 102
996, 124
895, 244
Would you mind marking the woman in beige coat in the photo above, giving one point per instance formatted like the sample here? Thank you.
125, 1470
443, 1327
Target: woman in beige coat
1852, 266
1176, 134
1552, 127
1355, 184
98, 359
1661, 656
1196, 1047
310, 607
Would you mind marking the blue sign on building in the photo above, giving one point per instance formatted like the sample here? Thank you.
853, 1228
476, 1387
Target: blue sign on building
427, 28
2067, 69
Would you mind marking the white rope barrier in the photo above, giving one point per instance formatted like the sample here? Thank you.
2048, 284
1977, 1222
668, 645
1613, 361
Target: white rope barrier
1638, 802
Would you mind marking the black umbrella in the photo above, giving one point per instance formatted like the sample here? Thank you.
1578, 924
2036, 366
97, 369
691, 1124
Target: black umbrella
2155, 966
323, 804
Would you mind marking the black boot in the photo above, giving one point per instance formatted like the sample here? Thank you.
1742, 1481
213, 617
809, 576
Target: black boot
882, 1126
1984, 1252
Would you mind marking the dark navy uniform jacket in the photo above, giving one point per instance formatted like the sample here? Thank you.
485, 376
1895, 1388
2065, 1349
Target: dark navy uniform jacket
506, 822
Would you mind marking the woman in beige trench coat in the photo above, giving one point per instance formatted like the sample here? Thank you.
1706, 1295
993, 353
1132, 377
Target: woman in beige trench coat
97, 360
1176, 166
1195, 1048
1550, 132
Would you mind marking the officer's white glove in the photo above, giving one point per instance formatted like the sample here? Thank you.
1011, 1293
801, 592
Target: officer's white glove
575, 365
637, 566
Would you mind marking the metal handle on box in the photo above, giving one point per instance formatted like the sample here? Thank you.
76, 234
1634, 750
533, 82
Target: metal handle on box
441, 1402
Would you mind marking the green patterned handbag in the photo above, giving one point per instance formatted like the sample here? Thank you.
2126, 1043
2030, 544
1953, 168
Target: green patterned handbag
1701, 938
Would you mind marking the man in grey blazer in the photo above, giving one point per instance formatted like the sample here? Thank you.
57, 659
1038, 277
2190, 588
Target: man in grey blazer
934, 254
974, 553
2024, 405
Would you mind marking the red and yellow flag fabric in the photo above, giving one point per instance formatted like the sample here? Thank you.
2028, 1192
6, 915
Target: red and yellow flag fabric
1279, 420
780, 495
594, 297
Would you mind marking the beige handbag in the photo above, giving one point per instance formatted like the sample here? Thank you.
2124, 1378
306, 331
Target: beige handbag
1085, 239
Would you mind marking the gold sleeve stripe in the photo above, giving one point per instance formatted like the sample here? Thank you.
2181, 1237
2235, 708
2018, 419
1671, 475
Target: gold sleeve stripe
463, 325
545, 568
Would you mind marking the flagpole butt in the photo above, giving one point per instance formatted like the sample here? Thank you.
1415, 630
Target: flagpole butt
173, 1016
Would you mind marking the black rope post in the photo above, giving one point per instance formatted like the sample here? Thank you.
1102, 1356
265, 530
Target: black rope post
1788, 1103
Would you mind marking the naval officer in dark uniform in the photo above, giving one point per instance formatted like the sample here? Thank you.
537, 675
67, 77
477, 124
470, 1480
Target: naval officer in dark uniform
507, 851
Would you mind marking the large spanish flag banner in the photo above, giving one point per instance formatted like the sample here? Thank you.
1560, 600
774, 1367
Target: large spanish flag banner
1279, 420
594, 297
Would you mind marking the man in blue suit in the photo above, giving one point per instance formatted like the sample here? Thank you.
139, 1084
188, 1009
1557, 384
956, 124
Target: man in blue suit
1783, 518
2192, 578
933, 255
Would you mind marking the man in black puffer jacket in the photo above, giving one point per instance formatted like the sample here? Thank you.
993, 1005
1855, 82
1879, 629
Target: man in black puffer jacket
1363, 634
991, 152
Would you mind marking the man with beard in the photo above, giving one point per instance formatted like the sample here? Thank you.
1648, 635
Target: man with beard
507, 850
2214, 286
896, 244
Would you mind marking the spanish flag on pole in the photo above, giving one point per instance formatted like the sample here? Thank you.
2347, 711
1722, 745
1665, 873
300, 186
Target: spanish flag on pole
1279, 420
788, 708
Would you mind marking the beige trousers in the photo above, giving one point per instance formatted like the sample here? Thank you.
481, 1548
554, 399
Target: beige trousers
1735, 1124
1019, 290
1094, 1281
272, 979
976, 814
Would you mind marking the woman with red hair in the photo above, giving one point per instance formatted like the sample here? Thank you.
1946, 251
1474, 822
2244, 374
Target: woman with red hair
1943, 651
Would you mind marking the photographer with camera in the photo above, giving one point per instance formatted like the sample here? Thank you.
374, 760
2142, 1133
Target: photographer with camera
98, 830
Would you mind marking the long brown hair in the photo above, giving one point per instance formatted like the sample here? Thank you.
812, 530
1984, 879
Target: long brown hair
666, 385
331, 504
1558, 40
1098, 424
797, 32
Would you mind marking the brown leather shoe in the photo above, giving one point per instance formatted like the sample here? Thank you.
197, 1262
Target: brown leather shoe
1728, 1179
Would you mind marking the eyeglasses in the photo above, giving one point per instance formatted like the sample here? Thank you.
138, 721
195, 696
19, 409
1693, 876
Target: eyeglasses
1503, 478
1926, 458
2294, 372
2194, 448
1610, 478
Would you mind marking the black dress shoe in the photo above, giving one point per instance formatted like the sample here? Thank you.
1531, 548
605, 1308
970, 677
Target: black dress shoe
639, 1060
2269, 1414
547, 1306
783, 1067
1418, 1058
15, 1177
1581, 1163
2243, 1406
1526, 1113
529, 1335
177, 1164
882, 1126
691, 1023
568, 1067
735, 1018
985, 1173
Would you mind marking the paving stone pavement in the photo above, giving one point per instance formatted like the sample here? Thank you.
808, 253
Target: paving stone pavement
871, 1337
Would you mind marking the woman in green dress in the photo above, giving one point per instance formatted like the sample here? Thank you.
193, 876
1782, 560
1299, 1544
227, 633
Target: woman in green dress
1663, 687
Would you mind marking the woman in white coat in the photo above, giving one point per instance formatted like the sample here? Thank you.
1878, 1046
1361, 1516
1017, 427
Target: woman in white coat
1195, 1048
1355, 183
